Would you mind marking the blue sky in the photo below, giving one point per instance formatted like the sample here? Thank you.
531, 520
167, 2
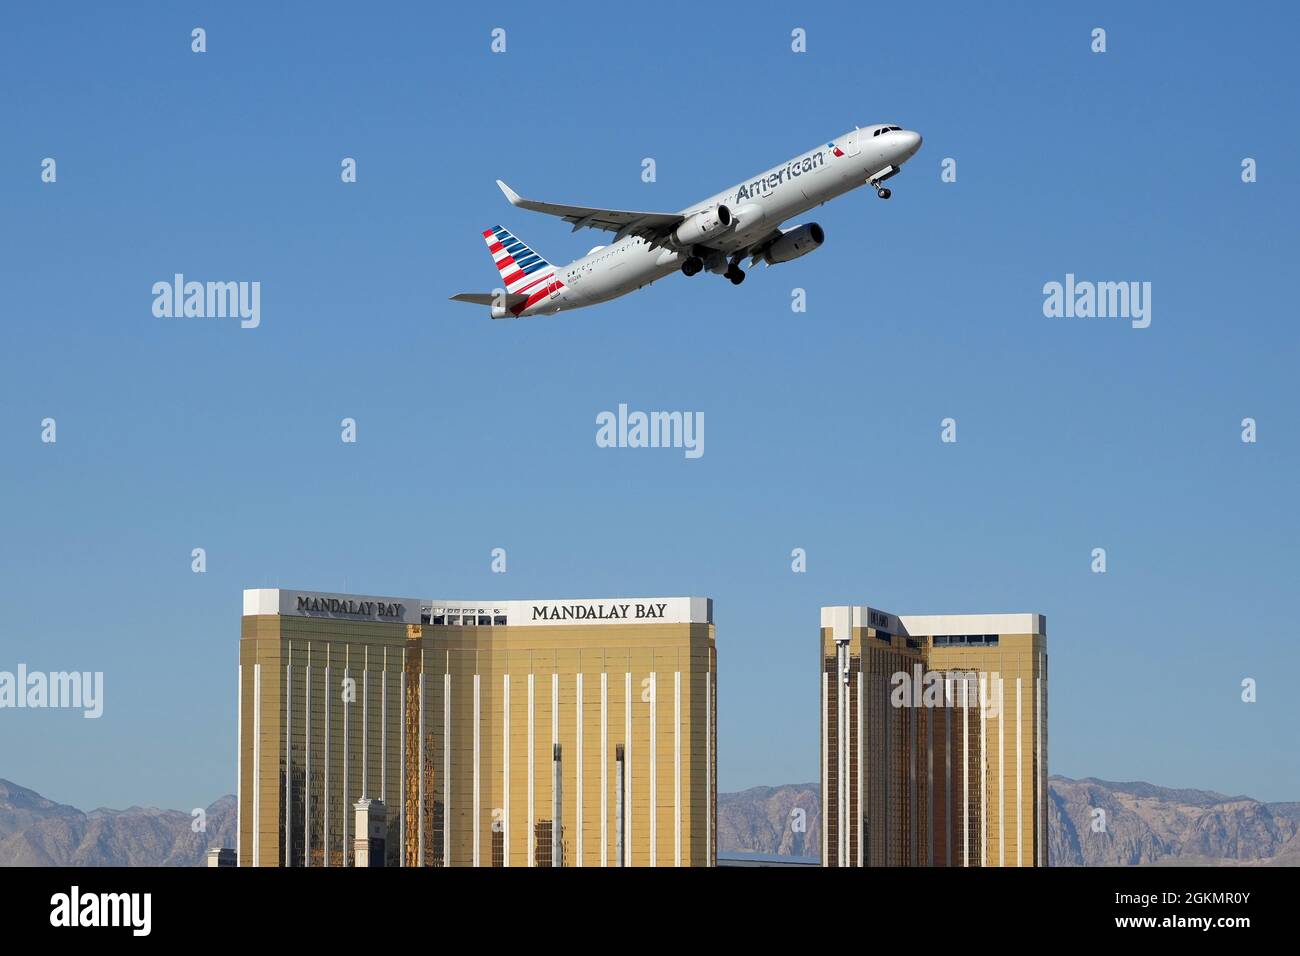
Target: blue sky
822, 427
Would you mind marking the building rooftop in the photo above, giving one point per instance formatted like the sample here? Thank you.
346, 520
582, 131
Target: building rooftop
452, 612
843, 617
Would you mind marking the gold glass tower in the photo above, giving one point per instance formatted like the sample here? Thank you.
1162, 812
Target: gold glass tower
499, 733
933, 739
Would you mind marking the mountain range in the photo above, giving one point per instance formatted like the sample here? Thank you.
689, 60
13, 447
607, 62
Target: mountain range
1145, 825
35, 831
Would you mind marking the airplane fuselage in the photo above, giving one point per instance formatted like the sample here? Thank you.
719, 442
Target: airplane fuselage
758, 205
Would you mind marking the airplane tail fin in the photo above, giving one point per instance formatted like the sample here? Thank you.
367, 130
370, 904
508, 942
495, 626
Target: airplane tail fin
515, 261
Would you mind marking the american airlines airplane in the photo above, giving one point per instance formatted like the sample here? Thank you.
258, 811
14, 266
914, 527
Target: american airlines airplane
716, 234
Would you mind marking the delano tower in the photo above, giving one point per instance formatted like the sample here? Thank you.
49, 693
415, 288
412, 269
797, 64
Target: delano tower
933, 739
497, 733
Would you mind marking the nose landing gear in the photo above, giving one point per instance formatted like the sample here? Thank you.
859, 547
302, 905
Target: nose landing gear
878, 181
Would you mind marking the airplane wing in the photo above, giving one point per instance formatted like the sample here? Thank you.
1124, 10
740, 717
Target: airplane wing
650, 226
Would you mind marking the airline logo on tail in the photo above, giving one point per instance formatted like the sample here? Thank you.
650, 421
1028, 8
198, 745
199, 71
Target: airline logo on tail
515, 261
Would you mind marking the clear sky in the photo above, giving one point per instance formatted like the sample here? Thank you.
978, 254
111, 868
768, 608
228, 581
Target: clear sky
822, 427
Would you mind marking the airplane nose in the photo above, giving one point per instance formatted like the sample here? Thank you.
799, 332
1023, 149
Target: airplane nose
911, 141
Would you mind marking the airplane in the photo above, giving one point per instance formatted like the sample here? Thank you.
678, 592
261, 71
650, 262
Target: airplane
715, 234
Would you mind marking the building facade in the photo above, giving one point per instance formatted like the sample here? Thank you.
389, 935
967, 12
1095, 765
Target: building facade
497, 733
933, 739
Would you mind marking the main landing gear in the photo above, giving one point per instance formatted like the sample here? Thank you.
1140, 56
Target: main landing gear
695, 264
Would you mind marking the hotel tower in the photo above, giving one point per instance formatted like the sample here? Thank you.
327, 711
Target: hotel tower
495, 733
933, 739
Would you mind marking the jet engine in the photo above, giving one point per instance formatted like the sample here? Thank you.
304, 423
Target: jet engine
703, 225
794, 243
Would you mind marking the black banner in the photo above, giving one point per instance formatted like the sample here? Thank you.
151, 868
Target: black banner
235, 906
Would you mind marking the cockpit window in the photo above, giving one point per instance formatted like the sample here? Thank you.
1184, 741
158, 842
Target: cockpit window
888, 129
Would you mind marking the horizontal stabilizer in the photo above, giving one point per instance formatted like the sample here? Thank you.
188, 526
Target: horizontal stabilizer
490, 298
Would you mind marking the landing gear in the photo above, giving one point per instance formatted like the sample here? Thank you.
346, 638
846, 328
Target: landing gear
734, 272
877, 180
692, 265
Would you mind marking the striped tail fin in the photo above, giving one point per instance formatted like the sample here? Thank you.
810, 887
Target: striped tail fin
516, 261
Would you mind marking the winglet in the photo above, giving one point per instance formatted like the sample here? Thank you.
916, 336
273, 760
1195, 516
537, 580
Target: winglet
511, 195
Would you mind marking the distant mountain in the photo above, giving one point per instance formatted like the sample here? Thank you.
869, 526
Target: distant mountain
1145, 825
768, 820
35, 831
